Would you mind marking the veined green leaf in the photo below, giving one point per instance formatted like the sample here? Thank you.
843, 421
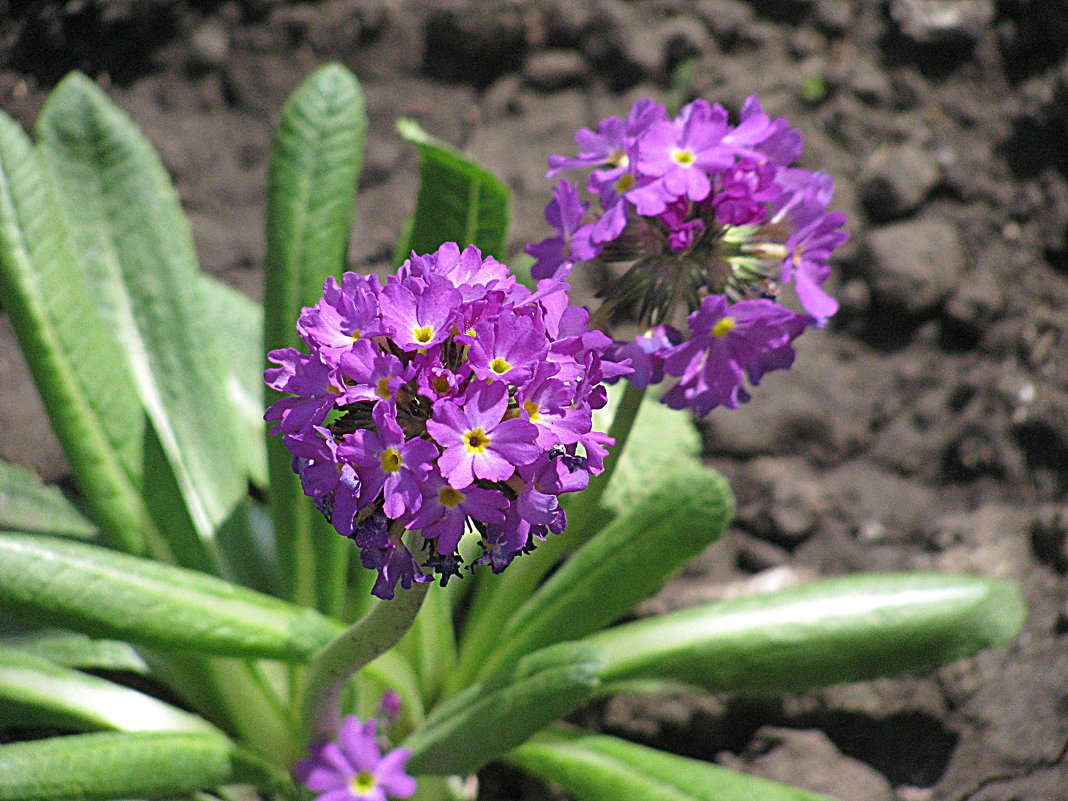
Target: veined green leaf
237, 325
68, 347
28, 505
137, 254
602, 768
107, 594
71, 649
817, 634
491, 717
681, 512
311, 187
458, 201
111, 765
34, 690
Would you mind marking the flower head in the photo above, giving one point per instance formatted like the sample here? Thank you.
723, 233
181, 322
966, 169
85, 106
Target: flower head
427, 409
706, 215
354, 768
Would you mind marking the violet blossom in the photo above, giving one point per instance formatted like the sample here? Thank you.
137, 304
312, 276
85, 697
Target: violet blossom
354, 768
706, 215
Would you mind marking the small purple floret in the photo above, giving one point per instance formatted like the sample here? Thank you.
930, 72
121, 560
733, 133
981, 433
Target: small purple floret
354, 768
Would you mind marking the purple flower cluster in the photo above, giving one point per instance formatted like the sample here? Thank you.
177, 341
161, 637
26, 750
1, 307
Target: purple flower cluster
451, 398
354, 769
710, 214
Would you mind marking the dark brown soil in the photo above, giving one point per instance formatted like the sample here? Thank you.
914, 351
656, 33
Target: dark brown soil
927, 428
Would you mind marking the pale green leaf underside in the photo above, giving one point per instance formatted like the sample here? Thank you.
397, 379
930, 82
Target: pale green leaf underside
70, 351
34, 690
602, 768
137, 253
26, 504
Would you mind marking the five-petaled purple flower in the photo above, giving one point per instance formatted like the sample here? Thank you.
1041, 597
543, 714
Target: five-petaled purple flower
354, 768
708, 213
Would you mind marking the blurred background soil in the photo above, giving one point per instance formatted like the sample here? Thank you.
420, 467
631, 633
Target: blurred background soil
925, 428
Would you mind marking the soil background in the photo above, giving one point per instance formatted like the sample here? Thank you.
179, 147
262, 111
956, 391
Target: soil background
925, 428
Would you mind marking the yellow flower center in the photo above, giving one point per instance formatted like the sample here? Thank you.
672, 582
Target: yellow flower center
624, 182
532, 409
382, 387
721, 328
476, 441
618, 158
500, 366
441, 385
449, 497
362, 783
682, 157
423, 335
391, 460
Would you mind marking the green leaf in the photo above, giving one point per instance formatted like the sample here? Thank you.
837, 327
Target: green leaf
493, 716
311, 188
68, 348
107, 594
71, 649
818, 634
662, 440
138, 256
236, 322
602, 768
28, 505
681, 512
36, 691
109, 765
458, 201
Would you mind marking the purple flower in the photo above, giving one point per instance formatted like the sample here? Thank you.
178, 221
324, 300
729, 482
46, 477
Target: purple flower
354, 769
572, 241
444, 511
420, 400
727, 344
478, 441
388, 463
681, 154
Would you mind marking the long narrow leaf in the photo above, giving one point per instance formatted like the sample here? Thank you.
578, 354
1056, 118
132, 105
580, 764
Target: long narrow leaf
489, 718
315, 164
681, 513
69, 350
36, 691
107, 765
28, 505
818, 634
138, 255
103, 593
71, 649
458, 201
237, 354
601, 768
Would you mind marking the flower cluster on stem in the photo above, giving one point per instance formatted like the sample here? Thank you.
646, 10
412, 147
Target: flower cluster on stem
452, 398
708, 216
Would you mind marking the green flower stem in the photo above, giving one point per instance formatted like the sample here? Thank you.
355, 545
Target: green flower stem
362, 642
497, 599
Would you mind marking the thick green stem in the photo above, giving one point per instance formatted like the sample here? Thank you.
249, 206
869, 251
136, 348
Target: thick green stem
359, 644
497, 598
